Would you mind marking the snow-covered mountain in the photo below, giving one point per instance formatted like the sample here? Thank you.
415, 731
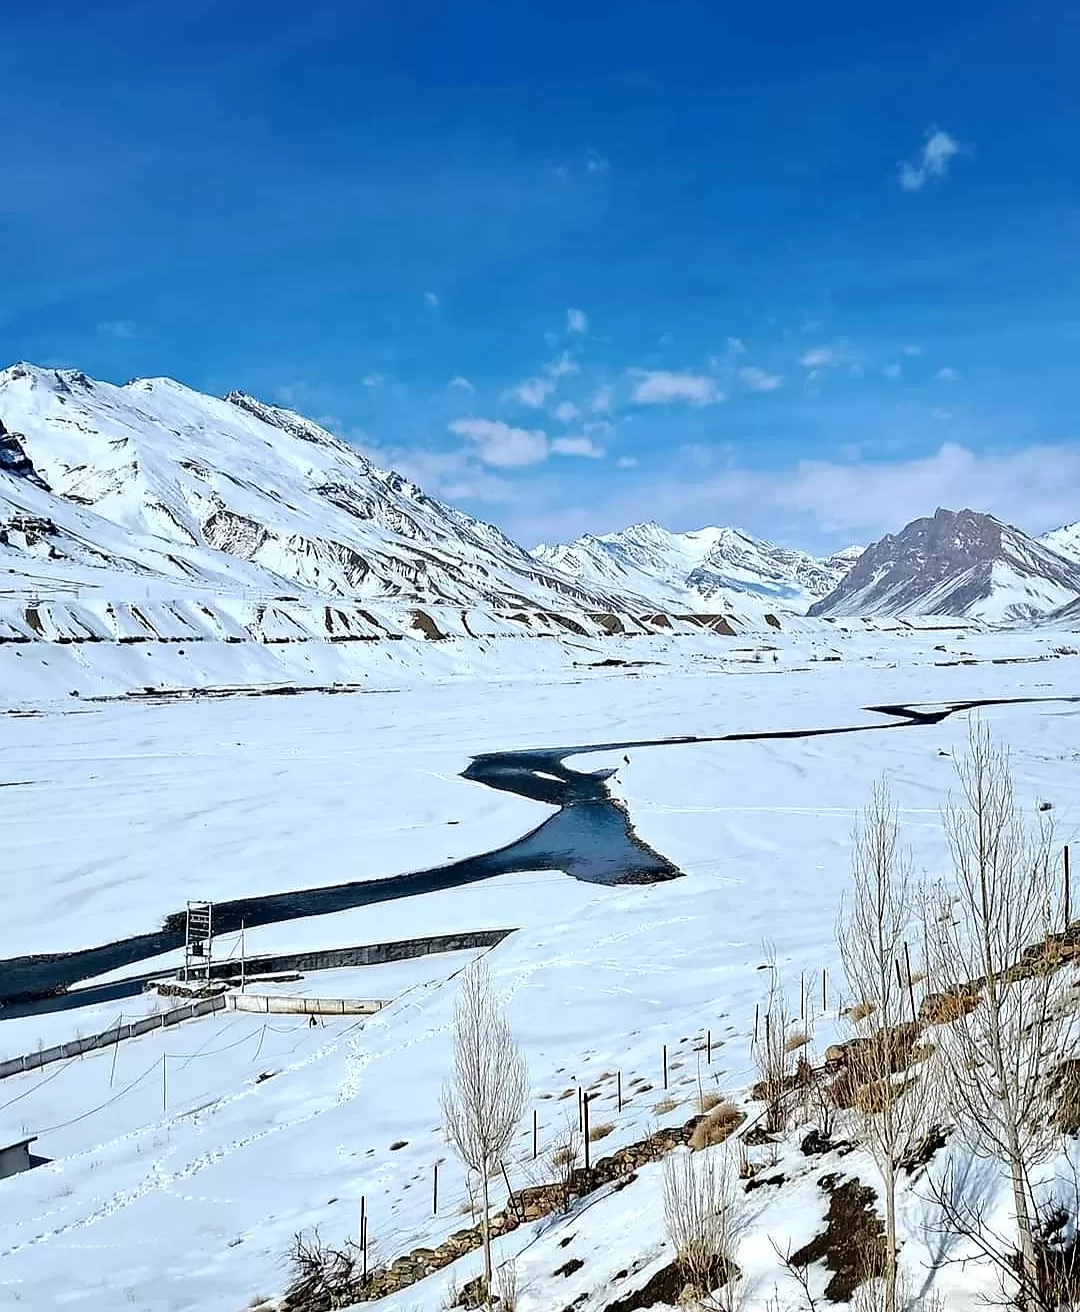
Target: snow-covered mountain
158, 480
1065, 540
710, 568
956, 562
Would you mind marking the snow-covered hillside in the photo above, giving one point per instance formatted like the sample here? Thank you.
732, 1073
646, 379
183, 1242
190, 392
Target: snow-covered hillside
1064, 540
235, 490
709, 568
958, 563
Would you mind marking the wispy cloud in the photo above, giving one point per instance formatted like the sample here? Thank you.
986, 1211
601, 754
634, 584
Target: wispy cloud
735, 346
759, 380
576, 321
504, 446
932, 162
891, 371
577, 446
912, 349
500, 444
122, 329
460, 382
372, 380
566, 412
661, 387
627, 462
595, 162
820, 357
431, 300
533, 392
947, 375
563, 366
601, 399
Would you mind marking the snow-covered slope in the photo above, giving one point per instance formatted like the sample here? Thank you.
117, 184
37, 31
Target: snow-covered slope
235, 489
956, 562
710, 568
1065, 540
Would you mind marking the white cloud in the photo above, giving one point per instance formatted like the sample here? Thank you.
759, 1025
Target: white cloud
932, 162
123, 329
661, 386
947, 375
533, 392
577, 446
940, 414
821, 357
891, 371
627, 462
462, 383
500, 444
595, 162
372, 380
1034, 487
566, 412
601, 399
576, 321
431, 299
758, 380
912, 349
735, 346
563, 366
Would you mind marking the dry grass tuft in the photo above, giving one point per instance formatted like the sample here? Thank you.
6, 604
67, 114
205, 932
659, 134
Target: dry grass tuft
708, 1101
796, 1040
721, 1122
860, 1011
664, 1106
600, 1131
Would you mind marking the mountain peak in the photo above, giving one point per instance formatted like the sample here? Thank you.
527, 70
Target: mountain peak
955, 562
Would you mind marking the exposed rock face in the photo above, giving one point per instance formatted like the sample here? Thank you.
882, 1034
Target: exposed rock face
955, 562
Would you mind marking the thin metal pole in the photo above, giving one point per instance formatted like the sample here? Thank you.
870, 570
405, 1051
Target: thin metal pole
536, 1128
585, 1114
665, 1065
618, 1088
708, 1047
243, 954
435, 1190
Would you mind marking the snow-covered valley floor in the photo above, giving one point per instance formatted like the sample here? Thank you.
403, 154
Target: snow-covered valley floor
182, 1190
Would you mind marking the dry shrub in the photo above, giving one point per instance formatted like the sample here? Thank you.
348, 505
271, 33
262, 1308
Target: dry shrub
564, 1156
717, 1126
708, 1101
600, 1131
664, 1106
567, 1093
943, 1008
860, 1011
796, 1040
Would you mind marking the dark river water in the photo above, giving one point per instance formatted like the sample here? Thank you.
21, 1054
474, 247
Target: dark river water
589, 838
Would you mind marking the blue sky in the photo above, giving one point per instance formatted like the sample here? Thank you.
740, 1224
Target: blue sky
812, 270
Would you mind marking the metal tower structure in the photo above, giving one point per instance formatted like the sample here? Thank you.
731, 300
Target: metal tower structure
198, 939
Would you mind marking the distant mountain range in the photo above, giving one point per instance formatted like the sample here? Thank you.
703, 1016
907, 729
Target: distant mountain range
709, 569
154, 487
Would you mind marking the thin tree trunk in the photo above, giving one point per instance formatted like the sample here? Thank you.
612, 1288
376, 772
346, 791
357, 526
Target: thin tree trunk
890, 1236
485, 1232
1029, 1293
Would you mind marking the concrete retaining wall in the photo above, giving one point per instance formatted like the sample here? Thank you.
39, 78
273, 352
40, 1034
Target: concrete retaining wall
76, 1047
363, 954
282, 1004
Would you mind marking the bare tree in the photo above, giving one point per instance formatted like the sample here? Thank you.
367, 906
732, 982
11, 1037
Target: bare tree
701, 1196
871, 933
775, 1062
485, 1098
1008, 1026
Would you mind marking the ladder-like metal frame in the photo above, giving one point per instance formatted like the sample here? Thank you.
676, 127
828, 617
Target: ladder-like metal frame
198, 939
